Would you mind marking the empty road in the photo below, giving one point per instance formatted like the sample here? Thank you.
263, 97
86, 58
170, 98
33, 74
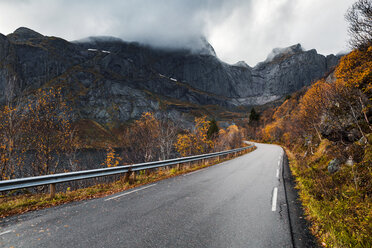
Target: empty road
238, 203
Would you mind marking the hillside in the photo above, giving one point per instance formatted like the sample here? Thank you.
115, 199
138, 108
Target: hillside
328, 134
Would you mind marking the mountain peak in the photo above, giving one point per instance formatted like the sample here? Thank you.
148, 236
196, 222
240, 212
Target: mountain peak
23, 34
286, 51
205, 48
241, 64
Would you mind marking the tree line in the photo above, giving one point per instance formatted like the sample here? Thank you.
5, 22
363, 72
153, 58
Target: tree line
37, 132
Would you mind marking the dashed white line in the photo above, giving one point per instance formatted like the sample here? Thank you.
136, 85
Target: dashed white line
6, 232
127, 193
193, 172
277, 173
275, 196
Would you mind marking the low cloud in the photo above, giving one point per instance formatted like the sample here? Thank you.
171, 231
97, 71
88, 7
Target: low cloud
238, 29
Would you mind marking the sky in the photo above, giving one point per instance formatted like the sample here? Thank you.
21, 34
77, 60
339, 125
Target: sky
239, 30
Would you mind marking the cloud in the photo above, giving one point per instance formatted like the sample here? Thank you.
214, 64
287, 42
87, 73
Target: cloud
238, 29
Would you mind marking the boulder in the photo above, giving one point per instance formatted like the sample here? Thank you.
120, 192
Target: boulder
333, 166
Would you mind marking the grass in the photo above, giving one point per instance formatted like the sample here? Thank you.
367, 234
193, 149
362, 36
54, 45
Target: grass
12, 205
338, 205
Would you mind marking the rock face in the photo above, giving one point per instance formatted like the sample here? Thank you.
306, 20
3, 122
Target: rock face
111, 80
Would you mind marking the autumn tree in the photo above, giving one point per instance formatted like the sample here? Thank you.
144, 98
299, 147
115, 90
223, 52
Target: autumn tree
11, 125
149, 138
195, 141
140, 139
310, 109
168, 131
47, 129
230, 138
355, 72
112, 159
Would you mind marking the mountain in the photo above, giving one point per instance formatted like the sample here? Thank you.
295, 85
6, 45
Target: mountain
110, 80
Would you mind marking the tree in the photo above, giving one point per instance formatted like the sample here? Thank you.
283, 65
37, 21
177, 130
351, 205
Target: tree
359, 16
196, 141
150, 138
230, 138
11, 125
213, 129
254, 116
167, 136
112, 159
140, 139
47, 129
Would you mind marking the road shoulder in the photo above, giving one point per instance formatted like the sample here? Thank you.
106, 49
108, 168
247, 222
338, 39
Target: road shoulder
301, 235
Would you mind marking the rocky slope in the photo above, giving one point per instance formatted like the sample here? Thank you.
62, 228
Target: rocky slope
109, 80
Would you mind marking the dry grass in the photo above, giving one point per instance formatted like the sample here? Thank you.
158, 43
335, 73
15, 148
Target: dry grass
338, 205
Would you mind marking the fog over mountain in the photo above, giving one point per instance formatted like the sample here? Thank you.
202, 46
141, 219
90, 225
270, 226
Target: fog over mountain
239, 30
111, 80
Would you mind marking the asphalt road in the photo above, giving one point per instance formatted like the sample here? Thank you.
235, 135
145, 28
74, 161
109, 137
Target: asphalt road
238, 203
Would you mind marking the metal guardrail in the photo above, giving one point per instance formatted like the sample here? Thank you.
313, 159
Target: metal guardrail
52, 179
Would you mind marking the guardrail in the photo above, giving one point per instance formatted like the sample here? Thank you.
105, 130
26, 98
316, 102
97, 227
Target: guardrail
52, 179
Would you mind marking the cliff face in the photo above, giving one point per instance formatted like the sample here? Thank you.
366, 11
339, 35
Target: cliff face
108, 79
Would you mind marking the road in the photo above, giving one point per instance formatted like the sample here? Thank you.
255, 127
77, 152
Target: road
238, 203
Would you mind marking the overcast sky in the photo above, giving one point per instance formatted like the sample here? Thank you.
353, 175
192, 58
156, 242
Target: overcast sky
238, 29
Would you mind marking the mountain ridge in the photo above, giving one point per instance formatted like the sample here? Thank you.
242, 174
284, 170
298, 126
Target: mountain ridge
109, 79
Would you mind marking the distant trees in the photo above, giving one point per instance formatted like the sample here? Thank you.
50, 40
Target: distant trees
359, 17
149, 138
229, 138
195, 141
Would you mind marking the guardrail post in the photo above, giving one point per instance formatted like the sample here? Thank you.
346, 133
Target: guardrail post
179, 166
52, 190
127, 175
134, 176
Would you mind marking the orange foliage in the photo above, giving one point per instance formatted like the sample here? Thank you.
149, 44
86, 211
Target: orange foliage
355, 70
332, 106
112, 160
195, 142
230, 138
47, 129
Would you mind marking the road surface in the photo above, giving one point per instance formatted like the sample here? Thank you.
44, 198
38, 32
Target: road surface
238, 203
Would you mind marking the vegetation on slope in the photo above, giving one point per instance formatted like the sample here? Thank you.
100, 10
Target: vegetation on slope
327, 130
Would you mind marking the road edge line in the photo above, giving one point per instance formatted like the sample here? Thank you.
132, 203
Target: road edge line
286, 198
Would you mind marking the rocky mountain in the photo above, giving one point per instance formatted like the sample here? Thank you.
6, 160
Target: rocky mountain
110, 80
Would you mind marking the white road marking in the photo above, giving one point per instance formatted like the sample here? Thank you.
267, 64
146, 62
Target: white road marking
193, 172
277, 173
127, 193
275, 196
6, 232
279, 163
